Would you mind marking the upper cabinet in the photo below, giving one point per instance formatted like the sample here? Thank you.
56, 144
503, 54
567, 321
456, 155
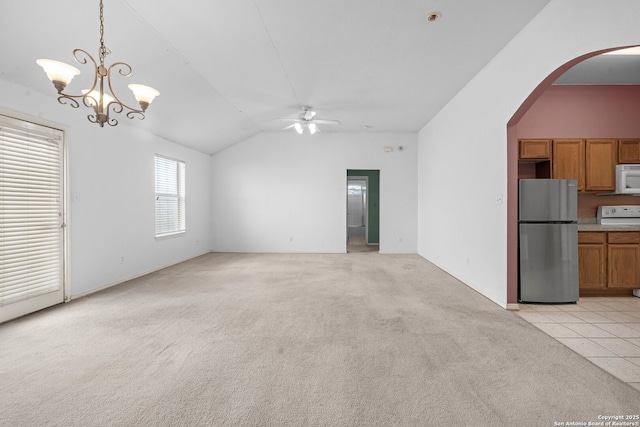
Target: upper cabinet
629, 151
591, 162
568, 160
535, 149
600, 166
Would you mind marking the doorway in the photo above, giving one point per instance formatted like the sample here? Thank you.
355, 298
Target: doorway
363, 213
32, 226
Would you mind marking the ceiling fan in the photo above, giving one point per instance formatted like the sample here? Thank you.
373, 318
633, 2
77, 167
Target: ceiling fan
307, 121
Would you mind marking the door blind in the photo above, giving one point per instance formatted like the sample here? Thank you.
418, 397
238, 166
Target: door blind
31, 210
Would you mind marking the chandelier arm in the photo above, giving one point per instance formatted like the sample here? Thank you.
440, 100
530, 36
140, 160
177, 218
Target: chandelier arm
67, 99
136, 113
72, 100
114, 107
84, 61
124, 70
93, 118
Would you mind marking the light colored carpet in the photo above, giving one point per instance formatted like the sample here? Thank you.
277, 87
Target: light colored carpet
358, 339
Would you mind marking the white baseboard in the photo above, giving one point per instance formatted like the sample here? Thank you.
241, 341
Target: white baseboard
107, 286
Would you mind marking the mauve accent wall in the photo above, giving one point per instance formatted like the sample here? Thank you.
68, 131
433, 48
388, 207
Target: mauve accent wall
596, 111
583, 112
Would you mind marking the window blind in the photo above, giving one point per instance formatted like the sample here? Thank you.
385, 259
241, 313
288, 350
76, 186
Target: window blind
170, 196
31, 210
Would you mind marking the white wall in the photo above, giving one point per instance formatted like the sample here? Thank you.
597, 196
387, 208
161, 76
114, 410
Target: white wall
284, 192
111, 189
463, 150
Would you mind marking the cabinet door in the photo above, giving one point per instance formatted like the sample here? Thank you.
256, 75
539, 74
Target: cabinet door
629, 151
592, 265
535, 149
624, 271
568, 160
600, 166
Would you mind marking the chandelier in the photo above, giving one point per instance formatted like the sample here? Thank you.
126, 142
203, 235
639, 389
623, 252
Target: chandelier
100, 97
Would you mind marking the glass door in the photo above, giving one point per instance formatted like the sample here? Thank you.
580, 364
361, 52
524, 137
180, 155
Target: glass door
32, 227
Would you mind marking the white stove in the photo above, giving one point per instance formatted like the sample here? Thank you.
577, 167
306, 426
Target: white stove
619, 215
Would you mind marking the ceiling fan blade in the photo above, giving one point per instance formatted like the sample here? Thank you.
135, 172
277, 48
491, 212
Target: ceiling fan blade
287, 120
327, 122
289, 127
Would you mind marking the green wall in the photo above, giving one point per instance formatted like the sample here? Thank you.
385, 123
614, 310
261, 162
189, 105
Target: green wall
373, 201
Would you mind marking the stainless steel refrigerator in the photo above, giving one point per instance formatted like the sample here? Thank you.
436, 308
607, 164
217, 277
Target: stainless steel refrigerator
548, 241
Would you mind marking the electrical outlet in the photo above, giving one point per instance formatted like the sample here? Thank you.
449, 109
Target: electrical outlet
499, 199
121, 259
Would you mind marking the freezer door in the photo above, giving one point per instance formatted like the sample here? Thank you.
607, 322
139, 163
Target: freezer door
548, 263
548, 200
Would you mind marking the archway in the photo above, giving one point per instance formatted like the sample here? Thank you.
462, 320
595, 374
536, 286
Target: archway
512, 170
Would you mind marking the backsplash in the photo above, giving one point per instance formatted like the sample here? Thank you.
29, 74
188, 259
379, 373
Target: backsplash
582, 221
588, 203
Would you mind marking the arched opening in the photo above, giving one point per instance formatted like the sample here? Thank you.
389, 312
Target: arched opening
515, 132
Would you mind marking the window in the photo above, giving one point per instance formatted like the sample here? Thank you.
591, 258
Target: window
170, 196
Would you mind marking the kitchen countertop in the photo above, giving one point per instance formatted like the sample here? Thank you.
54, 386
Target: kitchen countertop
590, 224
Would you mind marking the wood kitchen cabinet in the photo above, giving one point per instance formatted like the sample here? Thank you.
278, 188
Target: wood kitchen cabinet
569, 160
609, 260
623, 254
600, 164
629, 151
592, 260
535, 149
591, 162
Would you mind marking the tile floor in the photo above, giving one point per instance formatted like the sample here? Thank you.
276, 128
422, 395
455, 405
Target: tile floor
605, 330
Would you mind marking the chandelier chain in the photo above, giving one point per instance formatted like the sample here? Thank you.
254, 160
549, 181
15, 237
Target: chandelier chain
103, 49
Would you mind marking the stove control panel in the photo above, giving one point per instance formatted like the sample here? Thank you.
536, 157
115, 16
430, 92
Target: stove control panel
618, 214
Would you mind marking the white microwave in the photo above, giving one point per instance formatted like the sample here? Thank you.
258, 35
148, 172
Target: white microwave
628, 179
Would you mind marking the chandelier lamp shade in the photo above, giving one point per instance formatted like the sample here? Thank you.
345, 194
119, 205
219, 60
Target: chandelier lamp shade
100, 97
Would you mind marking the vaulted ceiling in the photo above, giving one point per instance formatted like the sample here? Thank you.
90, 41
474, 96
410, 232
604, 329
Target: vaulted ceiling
227, 68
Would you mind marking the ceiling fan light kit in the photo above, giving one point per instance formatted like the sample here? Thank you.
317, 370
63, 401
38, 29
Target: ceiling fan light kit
307, 121
100, 97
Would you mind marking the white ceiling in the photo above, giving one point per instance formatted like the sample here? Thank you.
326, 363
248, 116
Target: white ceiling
227, 68
604, 69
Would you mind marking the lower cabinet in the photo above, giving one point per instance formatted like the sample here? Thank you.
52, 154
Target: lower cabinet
592, 260
623, 253
609, 260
